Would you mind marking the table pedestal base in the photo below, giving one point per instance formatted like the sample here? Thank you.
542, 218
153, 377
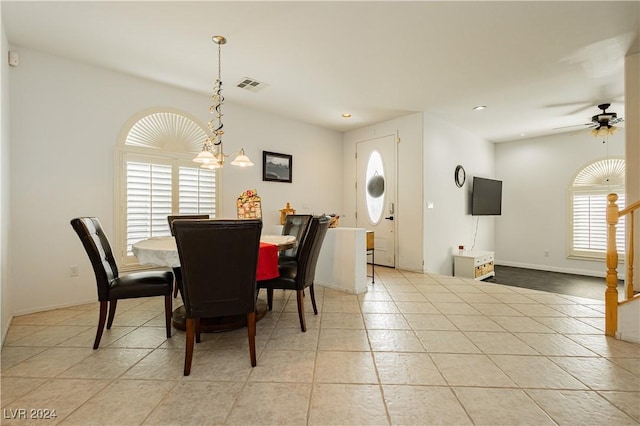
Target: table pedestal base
213, 325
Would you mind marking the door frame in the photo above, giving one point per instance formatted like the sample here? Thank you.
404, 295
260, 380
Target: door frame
396, 140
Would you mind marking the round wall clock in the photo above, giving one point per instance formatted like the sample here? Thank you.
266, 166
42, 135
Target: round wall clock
459, 176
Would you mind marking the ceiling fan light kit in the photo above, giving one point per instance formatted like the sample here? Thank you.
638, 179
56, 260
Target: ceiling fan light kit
602, 124
602, 131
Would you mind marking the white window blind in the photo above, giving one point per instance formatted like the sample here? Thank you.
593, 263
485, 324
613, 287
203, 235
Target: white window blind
156, 177
588, 213
149, 200
197, 191
150, 197
590, 223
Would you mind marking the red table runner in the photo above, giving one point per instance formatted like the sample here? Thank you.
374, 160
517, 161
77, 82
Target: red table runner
267, 262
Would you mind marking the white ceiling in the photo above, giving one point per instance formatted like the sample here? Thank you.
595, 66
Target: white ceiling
536, 65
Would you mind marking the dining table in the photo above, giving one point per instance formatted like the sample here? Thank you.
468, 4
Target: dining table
163, 252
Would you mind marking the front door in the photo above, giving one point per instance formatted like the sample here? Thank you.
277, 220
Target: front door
375, 192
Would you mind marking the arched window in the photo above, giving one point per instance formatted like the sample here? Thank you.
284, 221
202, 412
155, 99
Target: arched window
156, 177
588, 203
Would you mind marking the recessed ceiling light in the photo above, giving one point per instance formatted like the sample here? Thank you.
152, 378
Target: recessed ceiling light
479, 107
523, 134
346, 115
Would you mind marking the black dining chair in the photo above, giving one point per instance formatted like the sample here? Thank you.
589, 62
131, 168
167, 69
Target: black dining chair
296, 225
300, 274
219, 259
177, 273
111, 285
171, 218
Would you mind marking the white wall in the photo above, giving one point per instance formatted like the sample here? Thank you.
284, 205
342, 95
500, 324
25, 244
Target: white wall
428, 152
628, 324
537, 174
65, 122
6, 311
409, 249
316, 168
449, 223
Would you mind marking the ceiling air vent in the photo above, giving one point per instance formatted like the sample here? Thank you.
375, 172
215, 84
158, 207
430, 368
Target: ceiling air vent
251, 84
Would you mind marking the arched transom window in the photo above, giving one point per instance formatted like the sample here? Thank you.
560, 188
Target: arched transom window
588, 203
157, 177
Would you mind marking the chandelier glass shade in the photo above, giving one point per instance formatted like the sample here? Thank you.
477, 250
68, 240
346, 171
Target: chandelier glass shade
212, 155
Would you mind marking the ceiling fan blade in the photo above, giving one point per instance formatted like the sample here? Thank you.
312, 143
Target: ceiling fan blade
569, 104
573, 125
580, 110
603, 96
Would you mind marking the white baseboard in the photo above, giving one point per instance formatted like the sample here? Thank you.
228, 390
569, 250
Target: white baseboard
628, 337
5, 330
351, 290
52, 307
587, 273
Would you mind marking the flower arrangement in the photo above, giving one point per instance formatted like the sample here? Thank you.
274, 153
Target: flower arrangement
248, 195
249, 205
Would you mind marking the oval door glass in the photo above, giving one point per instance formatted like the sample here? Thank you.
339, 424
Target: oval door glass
375, 190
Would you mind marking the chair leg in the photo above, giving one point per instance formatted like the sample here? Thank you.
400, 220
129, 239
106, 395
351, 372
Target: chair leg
177, 279
372, 252
101, 321
270, 298
313, 299
251, 329
197, 320
112, 312
299, 297
168, 307
188, 355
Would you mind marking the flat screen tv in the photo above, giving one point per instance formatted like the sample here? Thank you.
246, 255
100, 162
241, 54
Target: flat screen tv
486, 197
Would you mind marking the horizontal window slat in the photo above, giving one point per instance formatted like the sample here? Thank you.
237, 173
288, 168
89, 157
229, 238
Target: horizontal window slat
590, 223
150, 197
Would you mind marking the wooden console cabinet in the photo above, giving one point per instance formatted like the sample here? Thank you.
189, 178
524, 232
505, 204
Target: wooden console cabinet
474, 264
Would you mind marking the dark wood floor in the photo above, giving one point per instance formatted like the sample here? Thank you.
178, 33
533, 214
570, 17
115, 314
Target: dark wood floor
555, 282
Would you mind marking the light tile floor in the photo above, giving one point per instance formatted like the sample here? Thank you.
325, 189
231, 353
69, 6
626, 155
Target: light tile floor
415, 349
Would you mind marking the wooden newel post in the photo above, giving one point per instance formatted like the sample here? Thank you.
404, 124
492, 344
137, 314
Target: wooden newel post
611, 294
630, 256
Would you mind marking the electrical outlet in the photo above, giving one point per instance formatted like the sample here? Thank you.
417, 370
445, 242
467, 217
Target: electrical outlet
73, 270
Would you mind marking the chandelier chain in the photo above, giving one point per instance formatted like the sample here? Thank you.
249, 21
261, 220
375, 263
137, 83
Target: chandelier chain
216, 107
210, 157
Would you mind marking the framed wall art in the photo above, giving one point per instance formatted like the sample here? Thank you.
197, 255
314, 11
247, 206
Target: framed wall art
276, 167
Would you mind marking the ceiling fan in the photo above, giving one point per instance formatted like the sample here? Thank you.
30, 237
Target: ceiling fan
601, 124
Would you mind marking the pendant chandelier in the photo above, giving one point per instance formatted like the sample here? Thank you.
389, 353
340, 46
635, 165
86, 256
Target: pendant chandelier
212, 155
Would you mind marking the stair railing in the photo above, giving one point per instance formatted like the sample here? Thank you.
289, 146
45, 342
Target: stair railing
611, 293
